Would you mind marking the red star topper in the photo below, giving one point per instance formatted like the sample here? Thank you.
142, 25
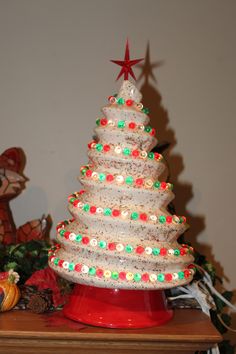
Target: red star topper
126, 64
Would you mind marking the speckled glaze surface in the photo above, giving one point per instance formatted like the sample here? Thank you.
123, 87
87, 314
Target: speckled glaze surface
121, 234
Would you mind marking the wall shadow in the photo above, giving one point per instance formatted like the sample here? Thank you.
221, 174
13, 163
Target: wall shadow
159, 119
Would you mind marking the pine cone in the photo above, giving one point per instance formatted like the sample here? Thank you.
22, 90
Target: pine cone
39, 303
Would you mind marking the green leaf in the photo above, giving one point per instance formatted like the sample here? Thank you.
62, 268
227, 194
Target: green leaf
221, 304
11, 249
19, 254
200, 259
228, 295
33, 245
10, 265
34, 253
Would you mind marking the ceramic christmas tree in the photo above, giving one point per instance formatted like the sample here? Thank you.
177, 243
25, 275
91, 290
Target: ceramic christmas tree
121, 244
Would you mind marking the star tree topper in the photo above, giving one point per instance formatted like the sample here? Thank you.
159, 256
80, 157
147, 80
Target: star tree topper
126, 64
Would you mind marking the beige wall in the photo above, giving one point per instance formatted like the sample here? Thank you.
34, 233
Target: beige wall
55, 75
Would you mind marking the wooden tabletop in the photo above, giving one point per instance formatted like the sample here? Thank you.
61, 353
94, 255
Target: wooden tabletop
25, 332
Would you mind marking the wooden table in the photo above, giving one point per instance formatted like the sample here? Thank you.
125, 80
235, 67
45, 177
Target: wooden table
24, 332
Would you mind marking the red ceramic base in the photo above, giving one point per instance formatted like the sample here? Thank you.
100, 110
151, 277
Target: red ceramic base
117, 308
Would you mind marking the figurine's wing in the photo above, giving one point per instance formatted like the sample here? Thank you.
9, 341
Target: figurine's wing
32, 230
